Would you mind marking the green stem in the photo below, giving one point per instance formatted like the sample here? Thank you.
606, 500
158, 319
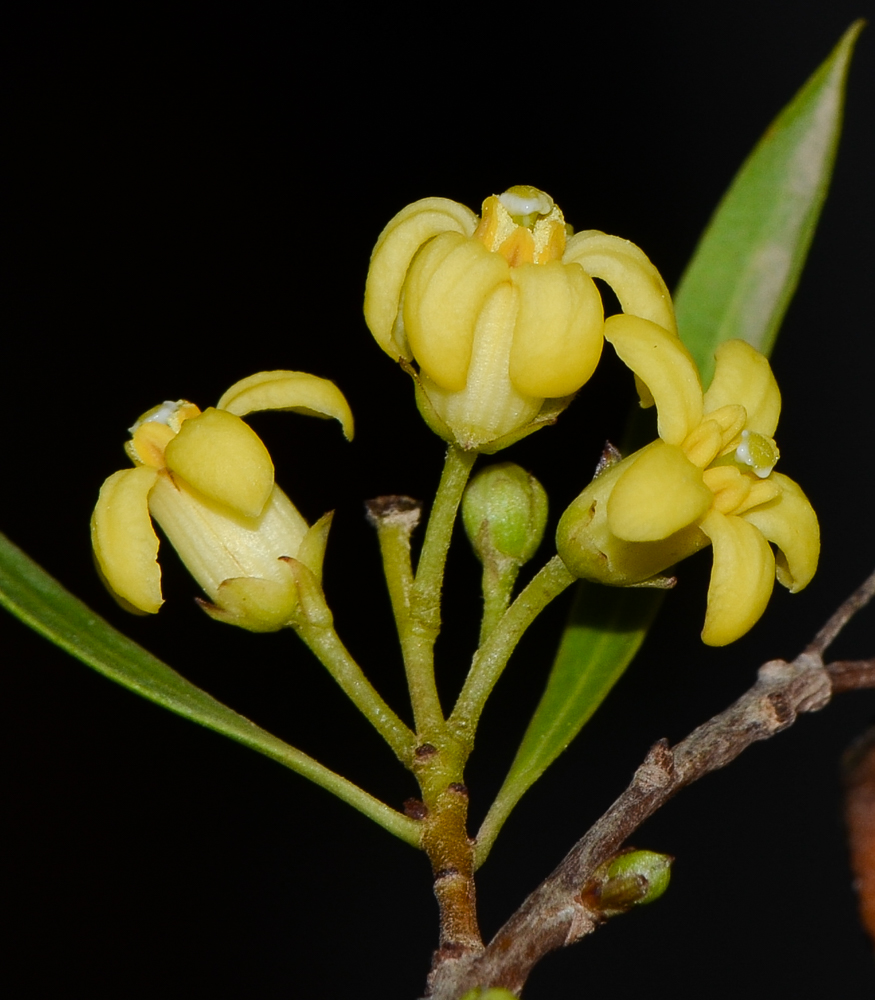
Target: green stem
395, 518
419, 616
499, 577
432, 559
317, 631
491, 659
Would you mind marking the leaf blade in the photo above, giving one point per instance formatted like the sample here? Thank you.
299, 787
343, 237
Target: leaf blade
747, 264
41, 603
767, 215
605, 630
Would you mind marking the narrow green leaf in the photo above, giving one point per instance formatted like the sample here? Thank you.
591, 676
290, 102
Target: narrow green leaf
30, 594
744, 271
738, 284
604, 632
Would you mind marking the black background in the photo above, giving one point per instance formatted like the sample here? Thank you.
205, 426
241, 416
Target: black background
193, 198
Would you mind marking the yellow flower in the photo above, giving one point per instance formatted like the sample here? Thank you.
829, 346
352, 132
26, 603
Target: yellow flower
208, 481
499, 314
707, 480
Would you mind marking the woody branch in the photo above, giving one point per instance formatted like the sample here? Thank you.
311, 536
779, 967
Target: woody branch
559, 912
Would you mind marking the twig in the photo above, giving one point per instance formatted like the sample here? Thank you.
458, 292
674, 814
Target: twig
559, 912
843, 614
851, 675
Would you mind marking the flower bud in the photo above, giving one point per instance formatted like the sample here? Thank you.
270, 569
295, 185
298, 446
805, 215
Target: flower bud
633, 878
504, 511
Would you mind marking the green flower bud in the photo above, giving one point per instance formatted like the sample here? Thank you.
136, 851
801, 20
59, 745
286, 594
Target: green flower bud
632, 879
489, 993
504, 511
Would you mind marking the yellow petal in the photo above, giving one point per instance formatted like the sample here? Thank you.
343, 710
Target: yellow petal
448, 285
590, 549
489, 406
660, 493
282, 390
743, 376
666, 367
403, 236
124, 542
224, 459
741, 580
557, 341
636, 282
790, 522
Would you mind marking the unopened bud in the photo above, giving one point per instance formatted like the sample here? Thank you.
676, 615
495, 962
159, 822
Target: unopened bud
505, 512
632, 879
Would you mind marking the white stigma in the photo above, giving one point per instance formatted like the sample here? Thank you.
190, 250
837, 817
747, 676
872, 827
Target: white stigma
538, 203
160, 415
758, 453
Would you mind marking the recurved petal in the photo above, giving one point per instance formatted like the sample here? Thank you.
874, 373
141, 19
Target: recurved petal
666, 367
124, 542
403, 236
627, 269
282, 390
557, 341
743, 376
223, 458
741, 580
660, 493
790, 522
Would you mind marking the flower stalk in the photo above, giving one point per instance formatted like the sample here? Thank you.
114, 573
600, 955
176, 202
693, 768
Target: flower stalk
492, 657
314, 624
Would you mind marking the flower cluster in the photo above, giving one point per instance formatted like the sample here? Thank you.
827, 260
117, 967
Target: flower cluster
208, 480
498, 318
709, 479
499, 322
